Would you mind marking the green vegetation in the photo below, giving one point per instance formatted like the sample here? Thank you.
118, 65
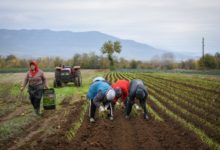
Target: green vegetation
72, 132
10, 100
188, 125
110, 48
191, 101
208, 62
15, 125
165, 62
154, 114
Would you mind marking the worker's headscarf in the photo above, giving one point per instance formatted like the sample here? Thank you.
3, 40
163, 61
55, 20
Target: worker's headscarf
110, 95
34, 72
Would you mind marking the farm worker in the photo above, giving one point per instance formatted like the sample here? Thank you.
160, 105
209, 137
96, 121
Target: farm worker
137, 90
121, 88
36, 81
100, 92
100, 79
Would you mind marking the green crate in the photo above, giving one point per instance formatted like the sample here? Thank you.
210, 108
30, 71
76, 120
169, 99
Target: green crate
49, 99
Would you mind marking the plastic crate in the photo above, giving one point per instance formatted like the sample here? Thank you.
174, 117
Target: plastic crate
49, 99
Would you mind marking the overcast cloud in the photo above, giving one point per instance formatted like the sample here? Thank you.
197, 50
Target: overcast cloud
175, 25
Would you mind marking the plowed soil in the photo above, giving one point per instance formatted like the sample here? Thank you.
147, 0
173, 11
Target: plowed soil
134, 134
119, 134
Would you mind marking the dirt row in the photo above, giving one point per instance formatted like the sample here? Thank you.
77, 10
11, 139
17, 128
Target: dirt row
46, 132
193, 101
136, 133
210, 115
195, 94
211, 132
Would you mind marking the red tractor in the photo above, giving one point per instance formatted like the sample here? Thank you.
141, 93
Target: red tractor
65, 74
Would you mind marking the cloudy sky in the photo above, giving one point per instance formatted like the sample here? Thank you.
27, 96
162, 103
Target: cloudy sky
175, 25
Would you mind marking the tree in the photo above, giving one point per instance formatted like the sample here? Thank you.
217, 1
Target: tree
188, 64
155, 62
57, 61
44, 62
104, 62
123, 63
217, 57
110, 48
167, 61
12, 61
76, 60
208, 62
135, 64
2, 61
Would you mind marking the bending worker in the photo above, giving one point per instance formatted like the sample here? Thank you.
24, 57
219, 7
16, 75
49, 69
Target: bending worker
138, 91
100, 93
121, 88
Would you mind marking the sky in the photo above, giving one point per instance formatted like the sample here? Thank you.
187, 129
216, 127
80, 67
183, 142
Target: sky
173, 25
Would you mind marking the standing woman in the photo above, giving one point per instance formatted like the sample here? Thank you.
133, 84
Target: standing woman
36, 83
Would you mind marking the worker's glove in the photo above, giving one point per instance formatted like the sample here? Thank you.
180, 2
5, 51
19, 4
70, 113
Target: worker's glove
137, 107
107, 106
103, 112
117, 105
101, 109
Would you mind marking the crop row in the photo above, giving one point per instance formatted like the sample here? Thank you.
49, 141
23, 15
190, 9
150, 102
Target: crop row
179, 102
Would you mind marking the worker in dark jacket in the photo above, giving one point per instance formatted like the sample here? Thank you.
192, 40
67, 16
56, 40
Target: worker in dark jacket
137, 90
100, 93
36, 81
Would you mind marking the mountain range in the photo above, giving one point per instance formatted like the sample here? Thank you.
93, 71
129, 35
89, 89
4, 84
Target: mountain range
38, 43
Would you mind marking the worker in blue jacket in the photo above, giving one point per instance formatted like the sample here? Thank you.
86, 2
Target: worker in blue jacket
100, 92
100, 79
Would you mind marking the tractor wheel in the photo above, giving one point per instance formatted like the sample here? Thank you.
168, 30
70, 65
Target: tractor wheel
78, 79
54, 83
59, 83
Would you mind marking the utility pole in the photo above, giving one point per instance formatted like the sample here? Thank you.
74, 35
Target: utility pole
203, 48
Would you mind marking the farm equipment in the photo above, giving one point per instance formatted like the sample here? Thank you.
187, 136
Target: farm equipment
49, 98
64, 75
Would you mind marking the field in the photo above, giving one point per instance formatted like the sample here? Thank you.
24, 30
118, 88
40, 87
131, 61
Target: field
184, 114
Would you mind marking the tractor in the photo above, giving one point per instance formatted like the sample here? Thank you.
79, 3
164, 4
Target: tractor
65, 75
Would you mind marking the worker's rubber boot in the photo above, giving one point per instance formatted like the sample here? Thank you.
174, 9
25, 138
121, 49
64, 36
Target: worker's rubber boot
92, 120
126, 117
37, 111
146, 117
111, 118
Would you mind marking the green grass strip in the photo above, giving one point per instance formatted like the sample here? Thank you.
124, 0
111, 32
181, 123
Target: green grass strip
72, 132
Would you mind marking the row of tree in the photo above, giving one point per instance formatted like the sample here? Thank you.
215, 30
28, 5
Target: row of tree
93, 61
207, 62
